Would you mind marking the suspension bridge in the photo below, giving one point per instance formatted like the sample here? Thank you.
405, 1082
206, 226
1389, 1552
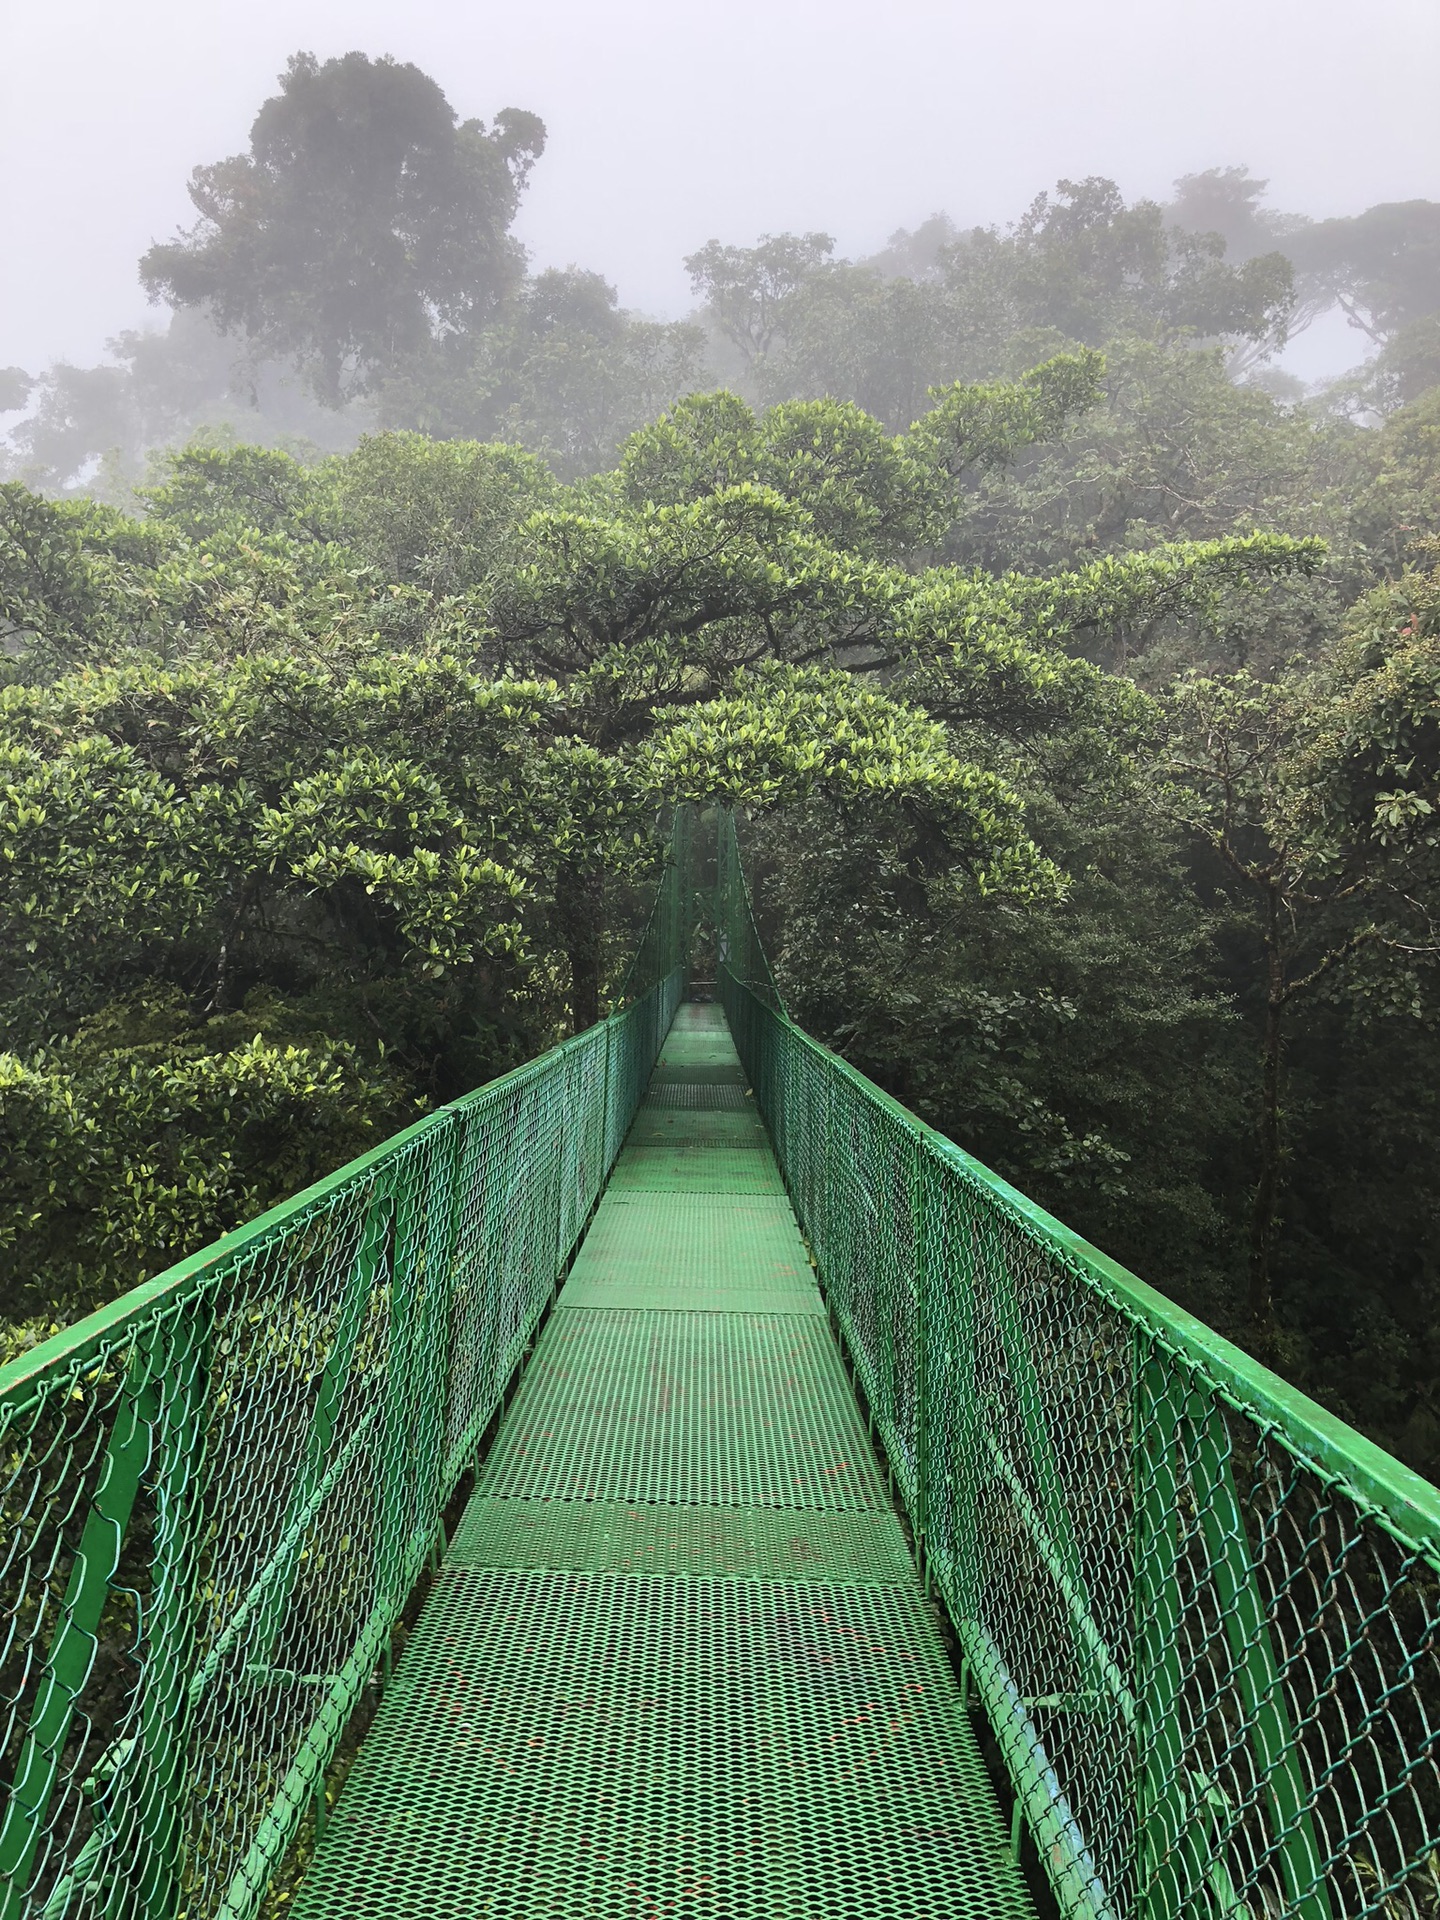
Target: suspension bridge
673, 1480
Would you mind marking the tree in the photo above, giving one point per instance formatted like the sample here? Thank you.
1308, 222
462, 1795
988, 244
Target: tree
363, 223
93, 430
1093, 268
748, 290
1080, 266
564, 371
366, 757
882, 343
1226, 201
1394, 480
433, 516
1382, 267
1318, 796
50, 593
1077, 1044
865, 490
728, 546
15, 388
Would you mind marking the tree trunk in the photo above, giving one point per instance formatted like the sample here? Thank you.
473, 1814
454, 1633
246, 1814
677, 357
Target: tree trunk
1267, 1187
581, 900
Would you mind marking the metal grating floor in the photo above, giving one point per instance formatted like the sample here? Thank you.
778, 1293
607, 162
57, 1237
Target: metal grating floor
611, 1537
715, 1095
677, 1660
674, 1170
709, 1409
577, 1744
694, 1130
695, 1236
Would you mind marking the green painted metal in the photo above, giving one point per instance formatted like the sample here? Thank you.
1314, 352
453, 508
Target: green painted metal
66, 1666
693, 1251
1162, 1812
672, 1170
1200, 1616
719, 1296
607, 1536
710, 1409
687, 1073
1215, 1694
580, 1743
215, 1494
672, 1093
691, 1239
153, 1775
375, 1244
678, 1625
1257, 1674
688, 1130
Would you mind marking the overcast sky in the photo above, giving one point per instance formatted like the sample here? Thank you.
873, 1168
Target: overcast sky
671, 123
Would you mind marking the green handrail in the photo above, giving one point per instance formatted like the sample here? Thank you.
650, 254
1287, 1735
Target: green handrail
1200, 1612
219, 1490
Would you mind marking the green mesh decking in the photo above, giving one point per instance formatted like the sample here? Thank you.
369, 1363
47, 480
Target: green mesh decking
610, 1536
677, 1660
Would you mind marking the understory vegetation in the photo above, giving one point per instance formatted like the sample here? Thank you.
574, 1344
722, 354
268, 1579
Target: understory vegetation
1076, 675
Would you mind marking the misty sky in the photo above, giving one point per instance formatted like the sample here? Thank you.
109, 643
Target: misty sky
671, 123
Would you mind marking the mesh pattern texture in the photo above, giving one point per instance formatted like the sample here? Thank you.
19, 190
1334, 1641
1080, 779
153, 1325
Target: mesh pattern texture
587, 1744
678, 1660
1203, 1615
1200, 1615
219, 1491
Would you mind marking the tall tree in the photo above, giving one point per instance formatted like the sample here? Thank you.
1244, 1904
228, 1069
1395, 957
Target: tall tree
748, 290
1318, 795
364, 221
1382, 267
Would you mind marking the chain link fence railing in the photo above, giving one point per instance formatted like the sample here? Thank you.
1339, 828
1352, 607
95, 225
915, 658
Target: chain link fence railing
217, 1493
1202, 1615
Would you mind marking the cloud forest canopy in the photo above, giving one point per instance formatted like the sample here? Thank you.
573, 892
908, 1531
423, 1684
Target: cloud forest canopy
365, 222
1076, 678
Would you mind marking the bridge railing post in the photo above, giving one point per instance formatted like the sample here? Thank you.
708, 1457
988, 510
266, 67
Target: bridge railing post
920, 1212
1160, 1805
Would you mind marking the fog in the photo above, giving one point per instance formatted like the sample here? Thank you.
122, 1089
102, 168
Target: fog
670, 124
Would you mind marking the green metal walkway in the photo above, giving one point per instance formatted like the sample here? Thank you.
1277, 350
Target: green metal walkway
676, 1660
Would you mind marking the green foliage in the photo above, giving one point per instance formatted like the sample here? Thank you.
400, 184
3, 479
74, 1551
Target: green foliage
562, 370
862, 489
52, 595
789, 735
1382, 267
363, 219
748, 289
1396, 479
1094, 269
1075, 674
360, 757
434, 515
631, 605
144, 1135
1081, 268
209, 491
1076, 1043
975, 430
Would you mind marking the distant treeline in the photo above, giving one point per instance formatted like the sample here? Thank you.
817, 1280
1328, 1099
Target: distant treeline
356, 270
1076, 672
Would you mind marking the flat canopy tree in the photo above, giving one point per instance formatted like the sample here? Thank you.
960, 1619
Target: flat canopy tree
1318, 794
319, 789
364, 222
1381, 267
